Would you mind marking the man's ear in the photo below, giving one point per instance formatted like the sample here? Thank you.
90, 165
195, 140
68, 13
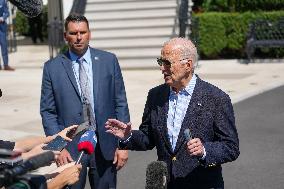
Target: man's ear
64, 34
189, 65
90, 35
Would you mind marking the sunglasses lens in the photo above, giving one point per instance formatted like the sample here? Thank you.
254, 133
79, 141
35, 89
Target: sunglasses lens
162, 62
167, 63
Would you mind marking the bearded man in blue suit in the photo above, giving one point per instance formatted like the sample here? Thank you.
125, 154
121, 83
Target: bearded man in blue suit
62, 102
184, 102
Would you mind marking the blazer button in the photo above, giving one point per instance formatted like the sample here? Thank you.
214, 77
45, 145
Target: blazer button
212, 165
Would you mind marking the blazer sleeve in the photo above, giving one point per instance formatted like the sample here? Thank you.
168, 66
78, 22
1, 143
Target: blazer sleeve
121, 106
225, 147
143, 139
47, 105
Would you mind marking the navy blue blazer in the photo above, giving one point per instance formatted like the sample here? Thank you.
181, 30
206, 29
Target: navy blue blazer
60, 104
209, 116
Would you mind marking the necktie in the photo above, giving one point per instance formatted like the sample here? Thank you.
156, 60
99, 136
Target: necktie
89, 116
84, 82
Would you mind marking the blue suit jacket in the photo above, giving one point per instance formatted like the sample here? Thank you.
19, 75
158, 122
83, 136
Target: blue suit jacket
4, 12
209, 116
61, 106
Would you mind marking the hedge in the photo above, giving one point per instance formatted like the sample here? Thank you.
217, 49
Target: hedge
22, 23
240, 5
224, 34
258, 5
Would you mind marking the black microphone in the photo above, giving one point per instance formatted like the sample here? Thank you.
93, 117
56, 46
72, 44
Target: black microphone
30, 8
22, 184
31, 164
29, 181
156, 175
187, 135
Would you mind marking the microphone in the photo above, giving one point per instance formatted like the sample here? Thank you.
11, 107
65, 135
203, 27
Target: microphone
29, 165
87, 144
22, 184
187, 134
29, 181
156, 175
30, 8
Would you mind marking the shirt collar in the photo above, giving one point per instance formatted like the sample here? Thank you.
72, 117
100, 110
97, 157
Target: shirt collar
188, 90
86, 56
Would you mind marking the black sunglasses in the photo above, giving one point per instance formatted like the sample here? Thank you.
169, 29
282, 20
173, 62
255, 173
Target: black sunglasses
163, 62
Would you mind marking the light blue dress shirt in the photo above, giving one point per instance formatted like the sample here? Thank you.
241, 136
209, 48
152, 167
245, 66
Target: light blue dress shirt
178, 104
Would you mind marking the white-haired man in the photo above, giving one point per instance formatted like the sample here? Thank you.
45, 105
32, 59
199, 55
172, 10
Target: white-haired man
184, 102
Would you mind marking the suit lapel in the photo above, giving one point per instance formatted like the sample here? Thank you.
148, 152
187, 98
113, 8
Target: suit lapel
162, 126
67, 64
192, 110
96, 74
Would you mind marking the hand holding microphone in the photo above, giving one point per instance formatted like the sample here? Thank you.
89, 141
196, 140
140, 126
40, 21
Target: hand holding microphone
86, 145
68, 176
194, 145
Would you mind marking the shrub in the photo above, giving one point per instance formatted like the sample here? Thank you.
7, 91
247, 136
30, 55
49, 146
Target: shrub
218, 5
258, 5
22, 23
237, 5
212, 34
224, 34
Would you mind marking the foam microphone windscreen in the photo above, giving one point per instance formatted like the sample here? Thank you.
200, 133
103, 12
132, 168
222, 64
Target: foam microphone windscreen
156, 175
87, 142
30, 8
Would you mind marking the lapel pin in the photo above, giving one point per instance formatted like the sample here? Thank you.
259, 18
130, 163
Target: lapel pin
199, 104
96, 58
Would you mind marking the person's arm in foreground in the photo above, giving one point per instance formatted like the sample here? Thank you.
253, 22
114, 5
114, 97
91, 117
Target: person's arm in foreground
29, 143
68, 176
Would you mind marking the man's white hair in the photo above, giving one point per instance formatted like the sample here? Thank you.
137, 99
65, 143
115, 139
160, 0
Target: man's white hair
185, 47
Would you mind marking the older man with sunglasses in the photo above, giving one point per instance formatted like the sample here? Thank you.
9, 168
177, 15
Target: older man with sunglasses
184, 103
